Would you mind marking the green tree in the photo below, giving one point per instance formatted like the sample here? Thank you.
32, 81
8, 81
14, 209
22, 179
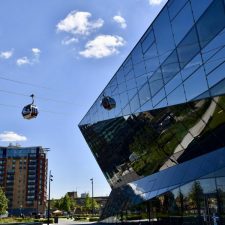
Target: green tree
66, 203
88, 203
3, 202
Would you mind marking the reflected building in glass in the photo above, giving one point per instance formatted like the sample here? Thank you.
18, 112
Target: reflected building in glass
163, 145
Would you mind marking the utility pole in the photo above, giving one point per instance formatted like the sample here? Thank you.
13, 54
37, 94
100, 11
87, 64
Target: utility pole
49, 184
92, 196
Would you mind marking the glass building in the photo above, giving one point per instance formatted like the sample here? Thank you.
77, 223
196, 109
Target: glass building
163, 145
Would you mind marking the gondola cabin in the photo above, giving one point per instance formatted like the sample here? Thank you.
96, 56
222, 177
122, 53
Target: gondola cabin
30, 111
108, 103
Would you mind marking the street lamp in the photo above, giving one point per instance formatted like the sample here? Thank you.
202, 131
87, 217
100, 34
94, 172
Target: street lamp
49, 184
92, 197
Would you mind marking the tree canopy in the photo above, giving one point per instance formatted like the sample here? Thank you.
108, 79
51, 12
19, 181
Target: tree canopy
3, 202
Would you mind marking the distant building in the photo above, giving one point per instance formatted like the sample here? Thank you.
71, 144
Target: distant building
72, 194
83, 195
23, 177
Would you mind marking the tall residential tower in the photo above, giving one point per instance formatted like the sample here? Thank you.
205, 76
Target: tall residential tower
23, 177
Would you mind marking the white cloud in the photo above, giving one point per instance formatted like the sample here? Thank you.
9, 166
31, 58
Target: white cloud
155, 2
36, 51
11, 136
68, 41
102, 46
121, 21
6, 54
78, 23
23, 61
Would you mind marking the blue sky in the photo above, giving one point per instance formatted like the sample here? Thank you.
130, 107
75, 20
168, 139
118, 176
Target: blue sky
64, 52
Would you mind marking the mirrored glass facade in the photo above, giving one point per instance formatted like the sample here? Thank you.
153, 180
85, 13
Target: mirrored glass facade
170, 106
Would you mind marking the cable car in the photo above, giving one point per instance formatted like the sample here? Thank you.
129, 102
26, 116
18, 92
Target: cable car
30, 111
108, 103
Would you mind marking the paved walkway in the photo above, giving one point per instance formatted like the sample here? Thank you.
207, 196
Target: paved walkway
71, 222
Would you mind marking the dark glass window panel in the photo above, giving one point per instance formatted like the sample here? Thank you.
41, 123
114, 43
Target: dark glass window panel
152, 64
151, 53
211, 23
161, 104
131, 93
131, 84
175, 7
113, 82
147, 40
120, 75
196, 84
134, 104
144, 94
137, 55
175, 82
177, 96
188, 48
214, 46
128, 62
130, 75
126, 110
218, 89
163, 35
192, 66
215, 61
107, 92
170, 67
122, 87
156, 82
158, 97
208, 186
141, 80
199, 7
182, 23
139, 69
115, 90
217, 75
147, 106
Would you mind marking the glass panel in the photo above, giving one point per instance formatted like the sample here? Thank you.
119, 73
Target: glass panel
156, 82
163, 35
158, 97
188, 48
131, 84
144, 94
137, 55
199, 7
134, 104
211, 23
148, 40
196, 84
175, 7
170, 67
177, 96
175, 82
182, 23
139, 69
130, 75
217, 75
192, 66
215, 61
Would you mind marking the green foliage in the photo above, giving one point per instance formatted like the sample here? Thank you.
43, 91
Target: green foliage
3, 202
66, 203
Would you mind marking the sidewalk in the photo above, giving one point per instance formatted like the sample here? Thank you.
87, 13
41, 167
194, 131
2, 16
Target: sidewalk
70, 222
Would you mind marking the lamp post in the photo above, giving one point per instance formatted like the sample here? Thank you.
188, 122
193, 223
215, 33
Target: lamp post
49, 184
92, 196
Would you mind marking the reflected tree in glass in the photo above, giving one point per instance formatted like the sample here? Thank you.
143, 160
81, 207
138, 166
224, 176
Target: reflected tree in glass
196, 196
